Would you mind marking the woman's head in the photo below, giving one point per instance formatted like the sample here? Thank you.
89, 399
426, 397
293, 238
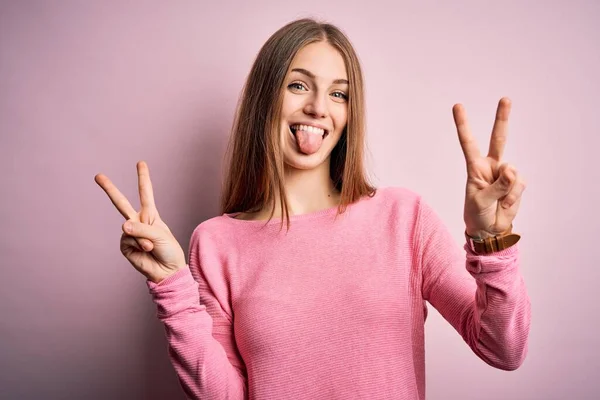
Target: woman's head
307, 73
314, 106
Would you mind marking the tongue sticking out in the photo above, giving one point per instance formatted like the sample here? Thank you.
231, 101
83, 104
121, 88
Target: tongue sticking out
308, 142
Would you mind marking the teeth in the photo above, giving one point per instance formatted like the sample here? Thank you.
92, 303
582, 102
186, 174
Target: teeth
308, 128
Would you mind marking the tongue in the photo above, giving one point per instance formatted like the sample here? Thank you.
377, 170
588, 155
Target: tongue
308, 143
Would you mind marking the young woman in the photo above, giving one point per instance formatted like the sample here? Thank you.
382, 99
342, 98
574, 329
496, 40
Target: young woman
312, 284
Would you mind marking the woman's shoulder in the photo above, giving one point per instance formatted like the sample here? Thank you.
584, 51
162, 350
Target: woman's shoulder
397, 195
390, 202
216, 229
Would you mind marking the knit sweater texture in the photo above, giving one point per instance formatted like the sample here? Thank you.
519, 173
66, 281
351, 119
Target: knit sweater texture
335, 307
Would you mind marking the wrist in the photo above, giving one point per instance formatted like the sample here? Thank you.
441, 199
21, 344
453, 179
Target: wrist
475, 234
483, 234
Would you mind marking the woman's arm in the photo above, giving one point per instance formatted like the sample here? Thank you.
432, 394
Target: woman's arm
199, 333
483, 297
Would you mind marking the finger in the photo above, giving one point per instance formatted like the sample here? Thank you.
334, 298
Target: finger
467, 141
505, 216
500, 130
139, 243
145, 188
147, 219
141, 231
145, 244
514, 195
507, 176
116, 197
129, 241
148, 216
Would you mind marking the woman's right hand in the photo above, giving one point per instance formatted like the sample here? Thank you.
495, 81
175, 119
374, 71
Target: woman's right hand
150, 246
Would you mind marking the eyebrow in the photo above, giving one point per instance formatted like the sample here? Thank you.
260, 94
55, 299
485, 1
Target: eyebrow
312, 76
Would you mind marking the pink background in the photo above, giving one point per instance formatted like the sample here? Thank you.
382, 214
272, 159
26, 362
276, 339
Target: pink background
94, 87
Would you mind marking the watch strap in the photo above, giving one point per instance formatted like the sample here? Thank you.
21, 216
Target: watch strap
494, 243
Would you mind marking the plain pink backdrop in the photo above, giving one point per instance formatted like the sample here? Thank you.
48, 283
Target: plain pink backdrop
89, 87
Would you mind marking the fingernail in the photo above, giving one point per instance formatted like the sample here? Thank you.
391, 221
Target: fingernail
505, 204
128, 227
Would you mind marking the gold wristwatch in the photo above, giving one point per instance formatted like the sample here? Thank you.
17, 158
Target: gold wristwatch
494, 243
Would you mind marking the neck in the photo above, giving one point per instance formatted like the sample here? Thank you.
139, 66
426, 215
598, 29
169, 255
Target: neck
310, 190
307, 191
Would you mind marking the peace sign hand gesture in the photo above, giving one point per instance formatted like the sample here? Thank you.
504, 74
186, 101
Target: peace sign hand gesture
149, 245
494, 189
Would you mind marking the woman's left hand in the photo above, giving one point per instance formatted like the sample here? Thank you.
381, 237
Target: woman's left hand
494, 189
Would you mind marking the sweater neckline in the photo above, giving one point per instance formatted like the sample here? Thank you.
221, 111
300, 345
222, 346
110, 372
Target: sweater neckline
277, 220
298, 217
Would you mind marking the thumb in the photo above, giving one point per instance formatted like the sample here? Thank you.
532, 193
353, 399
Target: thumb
141, 230
507, 176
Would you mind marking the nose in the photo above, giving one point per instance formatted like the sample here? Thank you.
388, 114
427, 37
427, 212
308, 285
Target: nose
316, 106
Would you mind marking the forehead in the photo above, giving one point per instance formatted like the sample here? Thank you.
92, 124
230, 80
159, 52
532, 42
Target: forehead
323, 60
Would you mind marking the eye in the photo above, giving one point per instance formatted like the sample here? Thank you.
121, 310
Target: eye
295, 85
342, 95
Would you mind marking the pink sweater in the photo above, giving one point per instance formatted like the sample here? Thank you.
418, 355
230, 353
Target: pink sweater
334, 309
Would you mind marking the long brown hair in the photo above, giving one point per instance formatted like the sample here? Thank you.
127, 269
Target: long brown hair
254, 156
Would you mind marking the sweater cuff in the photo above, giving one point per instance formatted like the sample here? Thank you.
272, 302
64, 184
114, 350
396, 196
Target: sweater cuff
175, 293
182, 276
496, 261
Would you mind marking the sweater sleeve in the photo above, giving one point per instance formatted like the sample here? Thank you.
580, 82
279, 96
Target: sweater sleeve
482, 296
199, 333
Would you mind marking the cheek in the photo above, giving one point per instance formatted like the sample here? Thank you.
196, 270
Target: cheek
290, 104
340, 118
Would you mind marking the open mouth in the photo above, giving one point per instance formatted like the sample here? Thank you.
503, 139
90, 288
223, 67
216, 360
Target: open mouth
294, 128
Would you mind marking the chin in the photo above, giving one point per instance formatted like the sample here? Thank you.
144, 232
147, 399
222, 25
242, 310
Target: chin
304, 162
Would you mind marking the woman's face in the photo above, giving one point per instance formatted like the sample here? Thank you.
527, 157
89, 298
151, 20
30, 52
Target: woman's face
315, 105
